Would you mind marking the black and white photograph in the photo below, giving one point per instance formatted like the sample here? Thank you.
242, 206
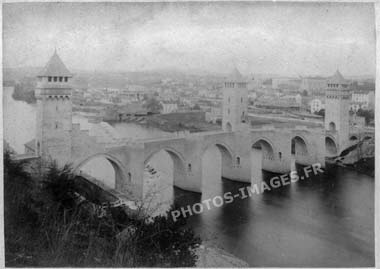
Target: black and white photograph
189, 134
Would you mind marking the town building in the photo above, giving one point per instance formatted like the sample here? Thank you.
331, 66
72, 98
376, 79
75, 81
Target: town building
362, 100
286, 83
168, 107
313, 85
316, 105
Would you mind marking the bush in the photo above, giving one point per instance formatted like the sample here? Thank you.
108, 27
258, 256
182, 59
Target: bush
45, 225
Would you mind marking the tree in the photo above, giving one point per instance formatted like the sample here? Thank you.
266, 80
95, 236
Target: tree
367, 114
320, 112
196, 107
153, 105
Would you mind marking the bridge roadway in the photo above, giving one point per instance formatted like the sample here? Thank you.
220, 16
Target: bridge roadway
129, 158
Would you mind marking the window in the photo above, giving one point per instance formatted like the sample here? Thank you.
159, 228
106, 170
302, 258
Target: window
129, 177
55, 79
238, 160
280, 155
49, 79
56, 125
60, 79
66, 78
189, 167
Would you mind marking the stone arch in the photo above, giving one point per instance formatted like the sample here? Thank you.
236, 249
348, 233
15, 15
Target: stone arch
299, 146
120, 170
332, 126
331, 147
265, 146
227, 157
225, 151
171, 151
179, 164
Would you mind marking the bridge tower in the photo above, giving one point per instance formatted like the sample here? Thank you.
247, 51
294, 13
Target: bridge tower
54, 112
235, 98
338, 97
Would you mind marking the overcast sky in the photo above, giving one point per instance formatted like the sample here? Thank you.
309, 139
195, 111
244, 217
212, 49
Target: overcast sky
289, 39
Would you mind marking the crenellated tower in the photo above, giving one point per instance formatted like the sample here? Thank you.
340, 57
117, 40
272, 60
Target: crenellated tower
54, 112
235, 101
338, 96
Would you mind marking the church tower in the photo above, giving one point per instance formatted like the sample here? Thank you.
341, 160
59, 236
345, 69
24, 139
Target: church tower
54, 112
338, 97
235, 101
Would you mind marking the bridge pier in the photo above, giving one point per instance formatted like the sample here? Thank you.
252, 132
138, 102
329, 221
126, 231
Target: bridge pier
315, 152
280, 161
133, 181
188, 172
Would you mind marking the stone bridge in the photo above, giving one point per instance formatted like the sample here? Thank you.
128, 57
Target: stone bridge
278, 149
333, 148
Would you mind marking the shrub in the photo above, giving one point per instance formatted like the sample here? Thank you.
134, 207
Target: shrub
46, 226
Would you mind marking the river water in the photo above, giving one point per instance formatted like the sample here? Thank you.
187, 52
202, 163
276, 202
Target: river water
325, 221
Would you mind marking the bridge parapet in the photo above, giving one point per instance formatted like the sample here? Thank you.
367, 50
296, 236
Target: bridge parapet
264, 127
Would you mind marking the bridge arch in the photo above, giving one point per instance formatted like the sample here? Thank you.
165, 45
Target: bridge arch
266, 146
226, 162
299, 146
120, 171
331, 146
171, 151
224, 149
180, 167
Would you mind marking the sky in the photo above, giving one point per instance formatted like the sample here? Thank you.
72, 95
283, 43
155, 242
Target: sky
284, 38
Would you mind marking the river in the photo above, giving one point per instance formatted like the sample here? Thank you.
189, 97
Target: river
325, 221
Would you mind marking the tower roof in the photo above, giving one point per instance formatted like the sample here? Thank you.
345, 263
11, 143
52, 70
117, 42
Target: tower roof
55, 67
337, 78
235, 75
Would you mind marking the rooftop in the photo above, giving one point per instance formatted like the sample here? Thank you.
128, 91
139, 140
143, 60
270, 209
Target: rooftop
337, 78
55, 67
235, 75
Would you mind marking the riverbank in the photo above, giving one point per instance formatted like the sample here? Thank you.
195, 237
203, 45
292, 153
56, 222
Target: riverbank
365, 166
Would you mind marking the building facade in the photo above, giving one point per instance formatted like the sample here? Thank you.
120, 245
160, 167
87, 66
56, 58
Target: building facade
362, 100
313, 85
316, 105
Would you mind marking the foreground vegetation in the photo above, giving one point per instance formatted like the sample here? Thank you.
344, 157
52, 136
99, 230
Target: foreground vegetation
45, 225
